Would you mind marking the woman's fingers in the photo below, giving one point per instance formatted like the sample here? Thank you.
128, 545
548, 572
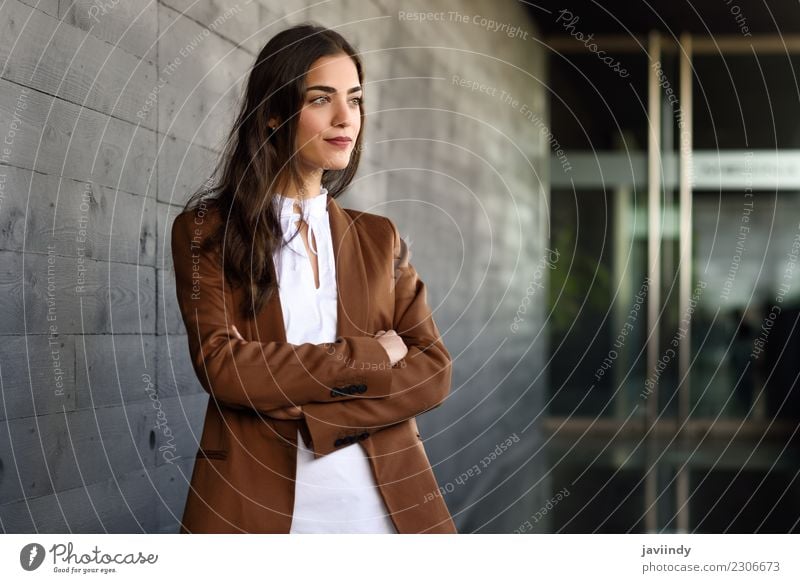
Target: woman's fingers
288, 412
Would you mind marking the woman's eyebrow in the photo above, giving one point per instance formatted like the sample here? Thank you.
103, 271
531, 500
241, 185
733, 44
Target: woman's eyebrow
328, 89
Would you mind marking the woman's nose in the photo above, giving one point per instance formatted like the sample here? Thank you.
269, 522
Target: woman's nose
341, 115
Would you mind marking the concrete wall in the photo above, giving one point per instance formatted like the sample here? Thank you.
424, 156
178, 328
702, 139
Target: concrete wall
109, 118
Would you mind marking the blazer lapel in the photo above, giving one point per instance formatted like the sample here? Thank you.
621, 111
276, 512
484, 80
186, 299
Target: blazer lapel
351, 274
351, 280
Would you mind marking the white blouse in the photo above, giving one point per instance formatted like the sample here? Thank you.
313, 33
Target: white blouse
336, 493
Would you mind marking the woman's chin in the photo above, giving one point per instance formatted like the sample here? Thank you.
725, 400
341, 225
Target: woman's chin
336, 164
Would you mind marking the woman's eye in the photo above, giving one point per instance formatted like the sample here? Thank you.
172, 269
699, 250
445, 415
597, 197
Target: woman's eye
357, 100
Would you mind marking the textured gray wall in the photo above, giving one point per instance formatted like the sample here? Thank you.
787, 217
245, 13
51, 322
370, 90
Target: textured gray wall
111, 114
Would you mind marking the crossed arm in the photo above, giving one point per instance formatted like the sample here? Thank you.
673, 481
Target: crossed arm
420, 381
270, 376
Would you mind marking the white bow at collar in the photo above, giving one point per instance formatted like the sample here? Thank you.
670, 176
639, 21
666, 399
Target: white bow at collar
314, 211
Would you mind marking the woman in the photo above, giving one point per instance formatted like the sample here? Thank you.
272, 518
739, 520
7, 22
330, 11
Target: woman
306, 323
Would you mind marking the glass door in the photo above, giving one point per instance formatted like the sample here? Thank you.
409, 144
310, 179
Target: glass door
673, 347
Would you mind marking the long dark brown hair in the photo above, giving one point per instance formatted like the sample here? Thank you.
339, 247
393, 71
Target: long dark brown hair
256, 159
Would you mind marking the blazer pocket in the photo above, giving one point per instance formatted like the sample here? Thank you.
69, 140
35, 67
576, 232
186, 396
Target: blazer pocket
211, 454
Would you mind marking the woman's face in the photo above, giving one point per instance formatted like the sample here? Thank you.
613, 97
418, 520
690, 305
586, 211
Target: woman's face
330, 110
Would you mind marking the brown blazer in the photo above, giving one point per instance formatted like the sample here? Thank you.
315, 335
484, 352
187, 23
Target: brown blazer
243, 477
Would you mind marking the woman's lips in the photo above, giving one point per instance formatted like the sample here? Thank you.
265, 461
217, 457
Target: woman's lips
340, 142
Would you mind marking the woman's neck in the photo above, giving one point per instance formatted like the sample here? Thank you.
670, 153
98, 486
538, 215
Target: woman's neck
311, 187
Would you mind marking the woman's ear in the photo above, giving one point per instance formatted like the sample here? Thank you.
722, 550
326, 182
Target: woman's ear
272, 124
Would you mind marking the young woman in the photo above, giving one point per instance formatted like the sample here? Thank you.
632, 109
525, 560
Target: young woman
307, 325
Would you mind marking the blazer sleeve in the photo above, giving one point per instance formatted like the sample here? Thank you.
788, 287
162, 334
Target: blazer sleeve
420, 382
256, 375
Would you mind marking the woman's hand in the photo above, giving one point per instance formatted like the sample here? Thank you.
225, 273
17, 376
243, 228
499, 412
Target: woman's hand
393, 344
289, 412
